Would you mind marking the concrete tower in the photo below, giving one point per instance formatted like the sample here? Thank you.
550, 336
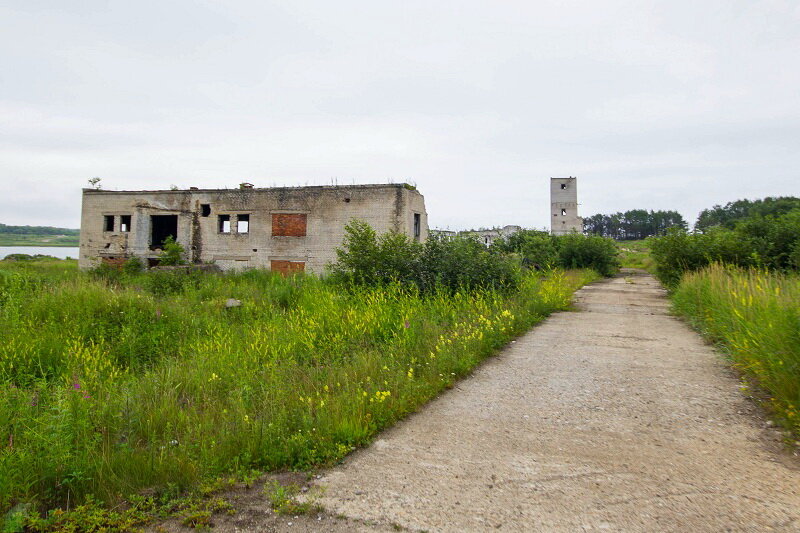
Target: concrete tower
564, 206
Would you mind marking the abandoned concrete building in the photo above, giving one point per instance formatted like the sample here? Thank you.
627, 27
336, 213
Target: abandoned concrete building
286, 229
564, 206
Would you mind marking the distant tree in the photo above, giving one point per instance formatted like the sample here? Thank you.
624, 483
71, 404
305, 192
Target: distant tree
633, 225
95, 182
37, 230
731, 213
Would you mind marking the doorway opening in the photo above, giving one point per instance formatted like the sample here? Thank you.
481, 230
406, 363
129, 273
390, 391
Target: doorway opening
161, 227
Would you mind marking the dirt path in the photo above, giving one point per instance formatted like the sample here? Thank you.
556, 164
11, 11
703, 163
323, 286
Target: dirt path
616, 417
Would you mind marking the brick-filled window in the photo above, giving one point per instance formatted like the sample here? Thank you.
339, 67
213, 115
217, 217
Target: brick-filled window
288, 225
287, 267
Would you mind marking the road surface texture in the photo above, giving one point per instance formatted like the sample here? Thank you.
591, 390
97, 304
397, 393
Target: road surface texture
613, 417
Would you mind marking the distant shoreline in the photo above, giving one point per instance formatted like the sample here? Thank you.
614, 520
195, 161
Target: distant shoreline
38, 245
49, 241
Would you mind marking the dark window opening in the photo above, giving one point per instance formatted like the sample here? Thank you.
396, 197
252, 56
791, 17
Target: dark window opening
161, 227
417, 226
242, 223
108, 222
563, 212
563, 186
125, 223
224, 223
205, 209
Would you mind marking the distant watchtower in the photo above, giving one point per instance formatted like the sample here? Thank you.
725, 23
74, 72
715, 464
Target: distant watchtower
564, 206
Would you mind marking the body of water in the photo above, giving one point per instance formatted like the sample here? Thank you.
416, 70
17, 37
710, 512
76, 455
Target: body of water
61, 252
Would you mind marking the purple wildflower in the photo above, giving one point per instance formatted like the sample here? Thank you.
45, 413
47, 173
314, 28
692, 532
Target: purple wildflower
407, 324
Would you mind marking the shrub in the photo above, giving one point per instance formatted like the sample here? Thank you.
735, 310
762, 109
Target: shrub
134, 265
758, 241
172, 253
541, 250
580, 251
369, 259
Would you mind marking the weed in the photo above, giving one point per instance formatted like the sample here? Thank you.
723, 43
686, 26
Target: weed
283, 499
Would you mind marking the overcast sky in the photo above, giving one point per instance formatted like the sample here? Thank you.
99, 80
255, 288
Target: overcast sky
655, 105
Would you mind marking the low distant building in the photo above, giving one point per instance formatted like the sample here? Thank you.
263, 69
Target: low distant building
488, 236
443, 234
286, 229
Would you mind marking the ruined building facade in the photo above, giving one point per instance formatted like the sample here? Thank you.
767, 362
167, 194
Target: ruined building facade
286, 229
564, 206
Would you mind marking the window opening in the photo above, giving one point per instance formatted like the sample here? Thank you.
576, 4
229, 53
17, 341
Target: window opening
563, 186
125, 223
242, 223
205, 209
224, 223
417, 226
108, 222
161, 227
563, 212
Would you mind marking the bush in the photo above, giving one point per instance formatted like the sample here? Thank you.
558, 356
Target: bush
369, 259
580, 251
172, 253
134, 265
540, 250
465, 262
770, 242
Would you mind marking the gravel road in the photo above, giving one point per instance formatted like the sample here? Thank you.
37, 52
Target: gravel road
614, 417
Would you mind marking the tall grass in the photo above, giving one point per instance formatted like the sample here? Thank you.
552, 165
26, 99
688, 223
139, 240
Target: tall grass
755, 315
149, 382
635, 254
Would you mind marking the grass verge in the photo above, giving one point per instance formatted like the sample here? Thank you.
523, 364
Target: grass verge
755, 316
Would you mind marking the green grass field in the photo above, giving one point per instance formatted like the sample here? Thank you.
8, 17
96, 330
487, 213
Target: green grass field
635, 254
149, 384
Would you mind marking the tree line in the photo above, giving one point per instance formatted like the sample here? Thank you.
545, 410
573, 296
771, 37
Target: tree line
36, 230
731, 213
633, 225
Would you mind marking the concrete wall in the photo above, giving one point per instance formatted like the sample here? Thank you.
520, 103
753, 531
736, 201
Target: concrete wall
327, 210
564, 217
